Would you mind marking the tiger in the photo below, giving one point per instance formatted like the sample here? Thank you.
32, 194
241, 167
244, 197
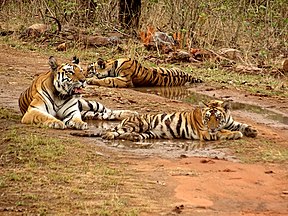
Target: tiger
211, 121
54, 99
128, 72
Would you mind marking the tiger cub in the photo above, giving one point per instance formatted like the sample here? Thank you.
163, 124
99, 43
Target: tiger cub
126, 72
211, 122
54, 99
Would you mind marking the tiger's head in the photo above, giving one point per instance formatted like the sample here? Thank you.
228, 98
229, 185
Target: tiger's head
68, 79
215, 115
102, 68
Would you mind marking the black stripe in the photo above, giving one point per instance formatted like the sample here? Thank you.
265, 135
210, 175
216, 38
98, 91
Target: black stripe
70, 114
168, 123
137, 70
90, 105
125, 75
187, 127
33, 106
145, 78
151, 135
229, 125
84, 113
163, 116
178, 126
124, 62
67, 120
71, 106
156, 122
80, 106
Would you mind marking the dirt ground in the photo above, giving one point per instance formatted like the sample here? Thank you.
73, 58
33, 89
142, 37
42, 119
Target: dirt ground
184, 185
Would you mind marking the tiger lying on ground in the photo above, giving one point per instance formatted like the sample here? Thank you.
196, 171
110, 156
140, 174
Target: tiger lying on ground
212, 122
126, 72
54, 99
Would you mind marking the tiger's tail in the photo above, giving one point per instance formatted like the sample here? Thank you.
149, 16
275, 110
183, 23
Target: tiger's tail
179, 77
87, 134
192, 79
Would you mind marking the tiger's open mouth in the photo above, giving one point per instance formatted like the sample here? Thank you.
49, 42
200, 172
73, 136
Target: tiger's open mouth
77, 90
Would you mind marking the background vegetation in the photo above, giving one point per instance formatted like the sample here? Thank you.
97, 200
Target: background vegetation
259, 28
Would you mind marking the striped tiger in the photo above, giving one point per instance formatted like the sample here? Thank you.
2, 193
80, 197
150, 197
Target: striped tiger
127, 72
211, 122
54, 99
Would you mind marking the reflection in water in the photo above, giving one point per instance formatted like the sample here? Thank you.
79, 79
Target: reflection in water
168, 148
177, 93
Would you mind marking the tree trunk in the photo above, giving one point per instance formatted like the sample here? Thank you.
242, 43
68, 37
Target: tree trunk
129, 14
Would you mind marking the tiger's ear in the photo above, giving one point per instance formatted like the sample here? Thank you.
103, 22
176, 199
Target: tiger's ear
101, 63
53, 63
226, 105
75, 60
202, 104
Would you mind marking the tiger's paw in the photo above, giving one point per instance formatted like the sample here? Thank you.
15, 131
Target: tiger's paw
236, 135
133, 137
77, 124
92, 81
250, 132
122, 114
108, 136
55, 124
90, 115
197, 80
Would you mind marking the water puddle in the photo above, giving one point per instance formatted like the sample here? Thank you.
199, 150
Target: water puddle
162, 147
187, 148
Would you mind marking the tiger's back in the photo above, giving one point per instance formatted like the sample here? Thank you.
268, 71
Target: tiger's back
161, 77
28, 95
127, 72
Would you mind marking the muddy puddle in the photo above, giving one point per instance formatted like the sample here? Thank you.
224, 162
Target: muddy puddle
187, 148
178, 148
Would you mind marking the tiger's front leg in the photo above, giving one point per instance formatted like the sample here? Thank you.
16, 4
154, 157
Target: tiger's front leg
36, 116
72, 117
76, 123
93, 81
220, 135
247, 130
122, 131
132, 136
229, 135
95, 110
120, 82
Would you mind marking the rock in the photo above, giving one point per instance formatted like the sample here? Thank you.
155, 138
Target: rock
232, 54
35, 30
285, 66
62, 47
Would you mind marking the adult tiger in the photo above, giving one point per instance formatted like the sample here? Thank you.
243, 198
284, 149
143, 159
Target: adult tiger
127, 72
212, 122
54, 99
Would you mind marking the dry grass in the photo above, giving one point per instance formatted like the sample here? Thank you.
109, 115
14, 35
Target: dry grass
258, 28
43, 174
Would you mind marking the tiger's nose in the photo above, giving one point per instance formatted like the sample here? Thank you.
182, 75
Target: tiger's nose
82, 80
84, 83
